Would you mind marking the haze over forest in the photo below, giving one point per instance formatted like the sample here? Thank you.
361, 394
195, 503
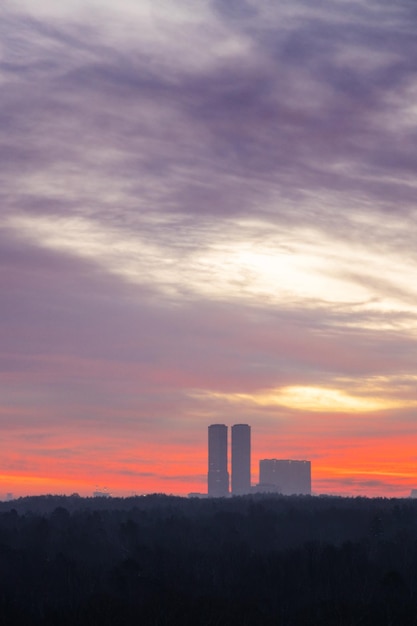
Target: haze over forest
267, 560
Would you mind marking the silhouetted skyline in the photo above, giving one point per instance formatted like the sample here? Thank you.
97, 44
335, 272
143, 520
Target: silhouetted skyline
283, 476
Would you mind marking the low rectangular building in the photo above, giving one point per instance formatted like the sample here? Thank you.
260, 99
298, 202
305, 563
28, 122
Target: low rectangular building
285, 476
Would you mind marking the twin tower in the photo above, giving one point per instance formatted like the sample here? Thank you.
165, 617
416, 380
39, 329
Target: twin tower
218, 474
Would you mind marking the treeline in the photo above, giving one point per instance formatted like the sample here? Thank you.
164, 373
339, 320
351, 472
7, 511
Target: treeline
255, 560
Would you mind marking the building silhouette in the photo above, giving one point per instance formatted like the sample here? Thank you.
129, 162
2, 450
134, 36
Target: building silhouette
241, 448
218, 475
285, 476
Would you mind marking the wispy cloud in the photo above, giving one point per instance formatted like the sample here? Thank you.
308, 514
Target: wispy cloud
202, 203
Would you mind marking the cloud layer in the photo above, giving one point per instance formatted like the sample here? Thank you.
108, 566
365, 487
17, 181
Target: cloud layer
207, 215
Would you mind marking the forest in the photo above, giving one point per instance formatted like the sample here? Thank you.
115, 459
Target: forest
252, 560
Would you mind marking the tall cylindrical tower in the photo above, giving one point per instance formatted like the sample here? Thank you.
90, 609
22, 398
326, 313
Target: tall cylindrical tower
218, 476
241, 448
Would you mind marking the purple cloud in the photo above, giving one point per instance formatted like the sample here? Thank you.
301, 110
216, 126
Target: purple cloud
216, 201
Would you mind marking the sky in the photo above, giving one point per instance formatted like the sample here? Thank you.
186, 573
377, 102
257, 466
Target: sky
207, 215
